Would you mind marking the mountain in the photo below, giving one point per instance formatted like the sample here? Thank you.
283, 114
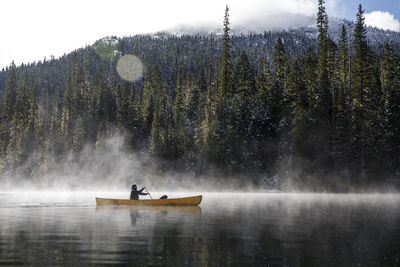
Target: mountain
376, 36
194, 45
245, 103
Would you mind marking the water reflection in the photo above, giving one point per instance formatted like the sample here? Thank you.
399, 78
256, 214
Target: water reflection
134, 216
161, 210
228, 229
186, 209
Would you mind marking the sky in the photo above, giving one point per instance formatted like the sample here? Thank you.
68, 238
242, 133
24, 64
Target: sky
32, 30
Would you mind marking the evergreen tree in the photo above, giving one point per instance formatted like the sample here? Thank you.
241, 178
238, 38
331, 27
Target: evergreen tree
281, 62
390, 79
7, 112
162, 125
363, 96
225, 88
324, 96
134, 117
343, 105
310, 72
179, 116
10, 94
344, 59
222, 129
277, 98
260, 127
243, 105
300, 117
21, 131
191, 120
200, 112
70, 107
151, 86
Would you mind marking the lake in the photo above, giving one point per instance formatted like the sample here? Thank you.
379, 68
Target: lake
228, 229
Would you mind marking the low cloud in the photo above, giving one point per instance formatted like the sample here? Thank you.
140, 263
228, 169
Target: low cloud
382, 20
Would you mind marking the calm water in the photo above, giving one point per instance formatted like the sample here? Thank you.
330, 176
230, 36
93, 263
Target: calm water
260, 229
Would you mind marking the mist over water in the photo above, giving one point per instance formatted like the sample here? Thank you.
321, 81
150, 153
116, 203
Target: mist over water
109, 166
274, 229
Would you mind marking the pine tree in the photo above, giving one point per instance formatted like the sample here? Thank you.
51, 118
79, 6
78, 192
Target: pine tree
390, 79
225, 87
221, 126
344, 59
200, 113
151, 86
80, 107
260, 127
310, 72
205, 140
192, 119
243, 105
300, 121
363, 96
325, 90
343, 105
388, 75
134, 117
33, 123
323, 105
20, 132
281, 62
179, 115
263, 83
7, 112
10, 94
122, 95
244, 93
70, 106
162, 125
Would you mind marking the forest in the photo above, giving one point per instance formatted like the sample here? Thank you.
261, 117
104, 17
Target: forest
322, 113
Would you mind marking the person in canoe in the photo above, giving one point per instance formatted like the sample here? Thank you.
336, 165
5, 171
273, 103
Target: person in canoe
135, 193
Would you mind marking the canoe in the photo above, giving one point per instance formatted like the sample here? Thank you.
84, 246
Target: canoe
184, 201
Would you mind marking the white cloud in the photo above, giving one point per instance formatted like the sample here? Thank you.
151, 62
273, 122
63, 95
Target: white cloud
383, 20
272, 14
334, 7
35, 29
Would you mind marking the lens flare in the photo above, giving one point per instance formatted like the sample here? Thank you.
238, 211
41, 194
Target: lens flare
130, 68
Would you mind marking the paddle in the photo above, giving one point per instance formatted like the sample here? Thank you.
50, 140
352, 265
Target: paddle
148, 193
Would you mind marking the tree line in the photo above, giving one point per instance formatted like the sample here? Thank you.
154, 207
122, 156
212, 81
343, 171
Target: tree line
329, 113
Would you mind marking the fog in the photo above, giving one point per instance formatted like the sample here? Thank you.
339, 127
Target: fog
110, 166
237, 200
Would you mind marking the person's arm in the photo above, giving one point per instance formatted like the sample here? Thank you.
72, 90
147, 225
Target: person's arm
140, 192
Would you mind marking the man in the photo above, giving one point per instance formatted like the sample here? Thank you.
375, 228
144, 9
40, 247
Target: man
135, 193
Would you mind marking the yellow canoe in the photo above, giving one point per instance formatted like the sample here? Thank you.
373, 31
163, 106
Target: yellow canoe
184, 201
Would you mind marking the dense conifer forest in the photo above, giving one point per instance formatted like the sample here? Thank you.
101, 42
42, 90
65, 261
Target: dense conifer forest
323, 112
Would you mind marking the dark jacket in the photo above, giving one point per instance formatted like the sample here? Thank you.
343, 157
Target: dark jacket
135, 194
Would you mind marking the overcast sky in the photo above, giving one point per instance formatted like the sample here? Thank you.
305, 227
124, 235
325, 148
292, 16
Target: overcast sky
31, 30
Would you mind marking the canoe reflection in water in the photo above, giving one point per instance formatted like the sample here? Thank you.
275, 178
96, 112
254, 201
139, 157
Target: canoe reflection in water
186, 209
162, 206
161, 210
